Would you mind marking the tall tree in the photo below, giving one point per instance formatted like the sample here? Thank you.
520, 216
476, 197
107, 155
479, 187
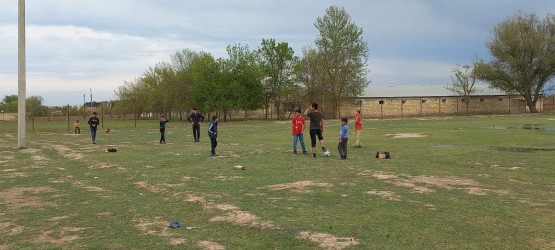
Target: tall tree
463, 83
345, 55
278, 65
10, 104
310, 72
246, 76
523, 48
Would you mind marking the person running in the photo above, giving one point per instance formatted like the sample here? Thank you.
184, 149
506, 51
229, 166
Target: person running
299, 125
196, 119
358, 128
213, 134
163, 122
93, 123
316, 128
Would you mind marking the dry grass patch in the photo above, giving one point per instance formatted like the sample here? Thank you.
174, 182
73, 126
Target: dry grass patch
415, 182
385, 194
66, 234
406, 135
299, 186
233, 214
328, 241
101, 165
150, 188
88, 187
10, 229
209, 245
156, 226
17, 198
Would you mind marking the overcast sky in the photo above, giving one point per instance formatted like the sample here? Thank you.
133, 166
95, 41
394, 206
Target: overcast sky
73, 46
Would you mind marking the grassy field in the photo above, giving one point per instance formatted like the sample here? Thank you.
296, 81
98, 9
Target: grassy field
472, 182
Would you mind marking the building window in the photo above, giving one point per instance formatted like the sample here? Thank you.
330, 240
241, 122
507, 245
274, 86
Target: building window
500, 99
382, 102
482, 100
444, 100
424, 100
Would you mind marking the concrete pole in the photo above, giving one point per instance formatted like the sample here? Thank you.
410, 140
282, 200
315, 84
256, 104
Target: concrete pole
21, 95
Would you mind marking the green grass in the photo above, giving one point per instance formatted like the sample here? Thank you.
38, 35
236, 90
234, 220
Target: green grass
448, 189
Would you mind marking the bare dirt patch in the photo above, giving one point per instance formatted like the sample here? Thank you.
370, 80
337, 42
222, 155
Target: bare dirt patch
227, 178
233, 214
67, 152
543, 243
156, 226
17, 198
328, 241
209, 245
101, 165
299, 186
149, 187
88, 187
177, 241
406, 135
243, 218
385, 194
424, 184
8, 228
66, 234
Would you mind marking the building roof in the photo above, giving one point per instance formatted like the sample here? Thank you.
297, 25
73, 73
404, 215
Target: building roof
423, 91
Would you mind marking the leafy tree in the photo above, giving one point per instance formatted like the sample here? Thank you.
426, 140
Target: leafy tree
310, 72
463, 82
344, 55
245, 76
10, 104
206, 90
278, 65
34, 105
523, 48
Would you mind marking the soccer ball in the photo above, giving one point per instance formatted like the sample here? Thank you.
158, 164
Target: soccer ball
327, 153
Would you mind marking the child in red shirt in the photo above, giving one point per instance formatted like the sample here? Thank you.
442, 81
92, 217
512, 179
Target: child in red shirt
299, 125
358, 128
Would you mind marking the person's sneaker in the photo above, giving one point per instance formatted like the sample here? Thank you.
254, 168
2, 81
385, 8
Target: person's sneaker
304, 152
212, 154
294, 151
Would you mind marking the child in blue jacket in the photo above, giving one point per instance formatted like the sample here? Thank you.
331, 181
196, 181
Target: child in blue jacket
213, 134
342, 147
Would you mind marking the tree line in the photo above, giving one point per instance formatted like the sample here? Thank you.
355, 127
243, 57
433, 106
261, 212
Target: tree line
252, 79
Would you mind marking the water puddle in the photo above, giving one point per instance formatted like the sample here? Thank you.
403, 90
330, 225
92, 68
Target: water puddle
523, 127
521, 149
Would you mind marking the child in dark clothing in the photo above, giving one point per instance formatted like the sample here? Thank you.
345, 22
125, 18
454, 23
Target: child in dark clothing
93, 123
342, 146
213, 134
162, 129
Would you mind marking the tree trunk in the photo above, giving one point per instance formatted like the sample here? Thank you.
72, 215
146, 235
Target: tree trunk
532, 106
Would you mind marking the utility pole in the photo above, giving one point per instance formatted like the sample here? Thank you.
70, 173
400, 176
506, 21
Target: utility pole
91, 100
21, 74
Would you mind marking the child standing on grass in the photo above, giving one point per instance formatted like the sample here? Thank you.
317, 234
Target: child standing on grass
213, 134
93, 123
163, 122
299, 124
358, 128
77, 127
342, 146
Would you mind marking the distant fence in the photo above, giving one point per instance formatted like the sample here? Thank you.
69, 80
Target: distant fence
382, 107
549, 103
